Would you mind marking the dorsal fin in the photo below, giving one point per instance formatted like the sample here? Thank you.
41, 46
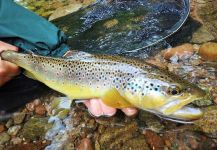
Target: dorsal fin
73, 54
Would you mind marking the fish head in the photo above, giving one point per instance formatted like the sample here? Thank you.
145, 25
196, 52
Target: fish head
164, 94
178, 93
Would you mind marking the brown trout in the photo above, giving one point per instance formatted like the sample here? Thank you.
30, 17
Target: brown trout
120, 82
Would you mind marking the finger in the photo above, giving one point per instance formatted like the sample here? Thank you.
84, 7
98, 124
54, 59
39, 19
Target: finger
94, 107
8, 69
3, 80
130, 111
108, 111
5, 46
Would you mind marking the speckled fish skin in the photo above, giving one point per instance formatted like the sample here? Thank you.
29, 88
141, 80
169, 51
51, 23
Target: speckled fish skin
120, 82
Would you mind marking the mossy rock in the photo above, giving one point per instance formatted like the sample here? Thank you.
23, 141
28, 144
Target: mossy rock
35, 128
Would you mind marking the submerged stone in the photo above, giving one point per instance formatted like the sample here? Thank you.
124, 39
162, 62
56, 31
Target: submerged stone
208, 51
121, 137
4, 137
14, 130
208, 123
180, 51
85, 144
18, 118
205, 12
150, 121
35, 128
187, 140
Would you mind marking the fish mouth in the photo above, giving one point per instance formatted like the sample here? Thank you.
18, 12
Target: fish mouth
9, 55
187, 113
180, 110
176, 104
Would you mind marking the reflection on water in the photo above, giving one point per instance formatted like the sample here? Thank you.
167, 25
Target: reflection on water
119, 26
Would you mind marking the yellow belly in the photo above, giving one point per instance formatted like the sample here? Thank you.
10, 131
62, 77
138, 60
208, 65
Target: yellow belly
110, 96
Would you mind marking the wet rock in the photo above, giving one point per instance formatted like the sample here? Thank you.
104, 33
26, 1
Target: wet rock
38, 145
14, 130
40, 110
202, 35
204, 102
208, 51
68, 9
60, 103
60, 107
43, 7
18, 118
121, 137
16, 140
63, 113
215, 100
30, 106
205, 12
2, 128
4, 137
158, 60
37, 102
2, 147
62, 11
150, 121
56, 128
180, 51
153, 140
35, 128
85, 144
110, 23
187, 140
9, 123
208, 123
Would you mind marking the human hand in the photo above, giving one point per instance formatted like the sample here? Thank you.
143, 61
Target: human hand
97, 108
7, 70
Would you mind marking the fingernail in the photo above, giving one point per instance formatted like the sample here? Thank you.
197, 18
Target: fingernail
130, 111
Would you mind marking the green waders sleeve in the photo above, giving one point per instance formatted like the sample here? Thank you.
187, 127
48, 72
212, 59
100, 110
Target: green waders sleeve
30, 32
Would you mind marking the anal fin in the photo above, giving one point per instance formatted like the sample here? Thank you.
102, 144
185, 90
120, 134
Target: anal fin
29, 75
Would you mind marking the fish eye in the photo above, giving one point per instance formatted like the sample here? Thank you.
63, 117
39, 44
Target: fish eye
174, 90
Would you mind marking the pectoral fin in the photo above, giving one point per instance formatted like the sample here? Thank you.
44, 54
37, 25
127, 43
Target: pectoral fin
113, 99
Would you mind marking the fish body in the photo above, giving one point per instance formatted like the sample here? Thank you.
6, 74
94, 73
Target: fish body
120, 82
